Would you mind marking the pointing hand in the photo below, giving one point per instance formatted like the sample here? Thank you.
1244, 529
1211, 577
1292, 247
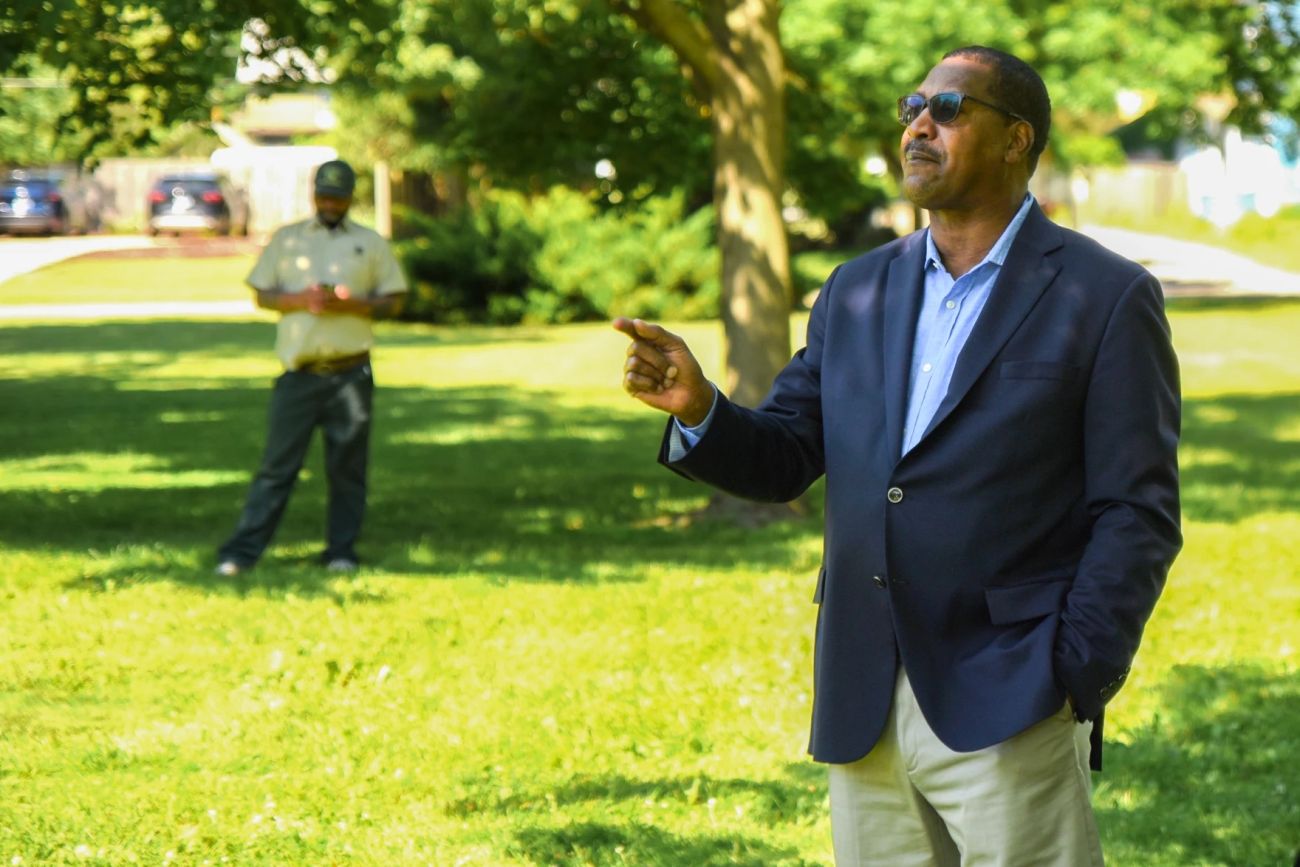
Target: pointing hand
661, 372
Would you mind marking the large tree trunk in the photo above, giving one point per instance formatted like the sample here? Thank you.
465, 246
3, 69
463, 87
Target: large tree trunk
736, 63
748, 104
734, 58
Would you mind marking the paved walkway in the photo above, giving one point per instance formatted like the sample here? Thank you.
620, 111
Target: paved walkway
1183, 267
1187, 268
21, 255
143, 310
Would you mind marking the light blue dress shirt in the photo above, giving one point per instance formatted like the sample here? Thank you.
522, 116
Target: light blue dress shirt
949, 310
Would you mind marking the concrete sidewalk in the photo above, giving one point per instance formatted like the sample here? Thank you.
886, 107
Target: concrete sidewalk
142, 310
1189, 268
1184, 268
23, 255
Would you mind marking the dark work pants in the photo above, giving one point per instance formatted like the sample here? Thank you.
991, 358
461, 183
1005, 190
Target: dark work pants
340, 405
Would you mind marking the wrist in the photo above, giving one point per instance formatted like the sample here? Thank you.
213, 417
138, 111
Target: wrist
698, 410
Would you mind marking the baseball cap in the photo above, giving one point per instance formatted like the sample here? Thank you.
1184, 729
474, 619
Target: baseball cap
335, 178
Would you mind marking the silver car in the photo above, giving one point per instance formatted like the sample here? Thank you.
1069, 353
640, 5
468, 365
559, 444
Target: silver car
197, 202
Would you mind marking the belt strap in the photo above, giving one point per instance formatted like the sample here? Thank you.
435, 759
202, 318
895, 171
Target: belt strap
327, 366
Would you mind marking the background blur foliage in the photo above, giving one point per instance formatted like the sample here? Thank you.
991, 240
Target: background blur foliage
492, 102
547, 258
132, 68
530, 97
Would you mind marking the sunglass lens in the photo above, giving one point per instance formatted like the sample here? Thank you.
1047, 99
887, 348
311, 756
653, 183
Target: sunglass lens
909, 107
945, 106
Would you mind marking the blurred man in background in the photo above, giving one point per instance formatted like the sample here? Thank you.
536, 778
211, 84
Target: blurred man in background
328, 278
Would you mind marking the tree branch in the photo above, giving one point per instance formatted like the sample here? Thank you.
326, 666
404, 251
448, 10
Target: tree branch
673, 25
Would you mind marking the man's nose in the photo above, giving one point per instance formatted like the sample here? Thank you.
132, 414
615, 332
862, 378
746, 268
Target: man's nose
922, 126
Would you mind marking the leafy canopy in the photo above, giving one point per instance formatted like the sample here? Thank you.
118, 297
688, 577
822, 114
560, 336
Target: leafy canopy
529, 94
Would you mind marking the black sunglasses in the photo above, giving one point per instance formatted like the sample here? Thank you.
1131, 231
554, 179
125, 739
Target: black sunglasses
944, 107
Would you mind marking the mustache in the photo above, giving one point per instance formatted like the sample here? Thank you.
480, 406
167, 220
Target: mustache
921, 147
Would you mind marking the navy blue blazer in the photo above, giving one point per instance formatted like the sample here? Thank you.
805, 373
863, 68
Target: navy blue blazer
1016, 552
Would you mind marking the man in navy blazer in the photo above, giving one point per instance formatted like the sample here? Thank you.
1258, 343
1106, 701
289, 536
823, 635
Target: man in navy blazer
994, 402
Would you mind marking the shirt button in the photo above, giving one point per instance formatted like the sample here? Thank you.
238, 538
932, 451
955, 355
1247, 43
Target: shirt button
950, 304
927, 367
894, 495
879, 579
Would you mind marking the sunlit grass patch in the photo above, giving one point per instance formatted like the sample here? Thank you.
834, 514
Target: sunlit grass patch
94, 280
544, 659
96, 471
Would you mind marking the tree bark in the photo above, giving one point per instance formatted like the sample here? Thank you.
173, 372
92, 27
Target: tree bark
734, 58
748, 105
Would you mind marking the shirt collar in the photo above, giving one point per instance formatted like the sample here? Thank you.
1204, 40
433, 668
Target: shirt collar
997, 254
316, 225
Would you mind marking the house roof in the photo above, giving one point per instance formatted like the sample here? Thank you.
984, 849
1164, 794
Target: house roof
282, 114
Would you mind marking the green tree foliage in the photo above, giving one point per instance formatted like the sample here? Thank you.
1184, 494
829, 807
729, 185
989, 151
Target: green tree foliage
663, 96
532, 94
32, 104
528, 96
134, 67
855, 59
546, 258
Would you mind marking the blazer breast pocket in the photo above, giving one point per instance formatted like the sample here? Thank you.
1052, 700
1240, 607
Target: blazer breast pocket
1039, 370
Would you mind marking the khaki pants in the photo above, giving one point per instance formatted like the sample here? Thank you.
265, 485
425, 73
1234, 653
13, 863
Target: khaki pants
912, 802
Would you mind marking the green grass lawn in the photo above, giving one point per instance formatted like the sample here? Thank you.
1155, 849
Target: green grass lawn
543, 661
97, 280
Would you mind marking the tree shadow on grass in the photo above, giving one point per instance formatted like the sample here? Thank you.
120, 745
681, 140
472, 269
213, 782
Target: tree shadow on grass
596, 844
797, 798
1237, 462
144, 340
511, 483
1214, 779
142, 483
167, 338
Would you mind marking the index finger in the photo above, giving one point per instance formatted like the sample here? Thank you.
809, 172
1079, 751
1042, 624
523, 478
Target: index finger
639, 329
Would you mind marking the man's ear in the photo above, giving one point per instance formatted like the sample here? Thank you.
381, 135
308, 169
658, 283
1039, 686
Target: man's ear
1020, 142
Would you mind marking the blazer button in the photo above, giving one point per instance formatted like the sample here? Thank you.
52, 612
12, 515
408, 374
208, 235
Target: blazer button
879, 579
894, 495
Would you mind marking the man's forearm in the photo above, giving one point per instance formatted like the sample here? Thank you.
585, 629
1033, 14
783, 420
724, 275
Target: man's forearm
371, 307
281, 302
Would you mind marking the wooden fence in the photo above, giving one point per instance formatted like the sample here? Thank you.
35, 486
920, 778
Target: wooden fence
276, 181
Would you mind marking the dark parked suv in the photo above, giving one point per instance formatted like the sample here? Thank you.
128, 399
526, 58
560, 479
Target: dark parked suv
48, 202
202, 202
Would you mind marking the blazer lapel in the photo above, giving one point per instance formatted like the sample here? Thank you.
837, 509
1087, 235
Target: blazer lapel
1025, 275
903, 292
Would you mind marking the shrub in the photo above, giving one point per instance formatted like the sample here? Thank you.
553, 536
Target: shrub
557, 258
471, 266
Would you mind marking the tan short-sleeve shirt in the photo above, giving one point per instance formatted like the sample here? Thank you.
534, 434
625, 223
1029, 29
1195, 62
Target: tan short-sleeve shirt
308, 252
